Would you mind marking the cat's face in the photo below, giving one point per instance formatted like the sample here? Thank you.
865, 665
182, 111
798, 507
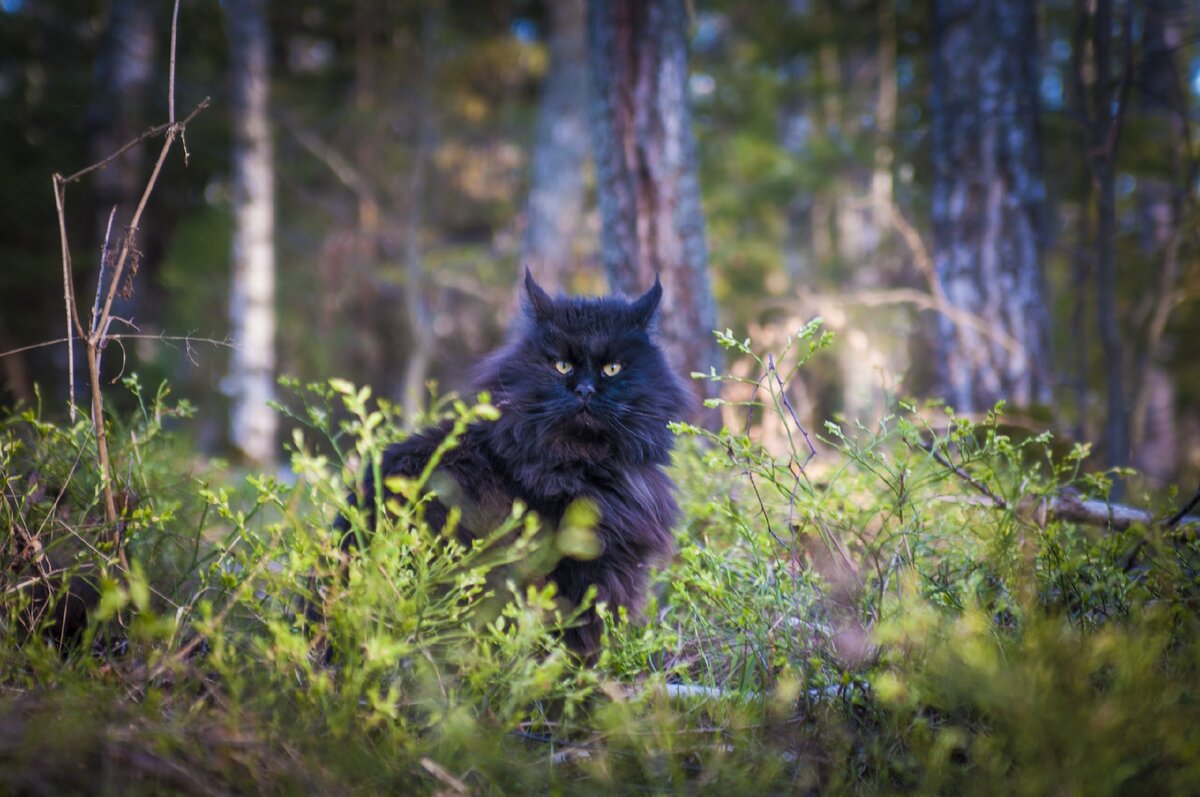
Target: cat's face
582, 378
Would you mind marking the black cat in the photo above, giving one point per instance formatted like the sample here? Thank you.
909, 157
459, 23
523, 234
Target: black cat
585, 396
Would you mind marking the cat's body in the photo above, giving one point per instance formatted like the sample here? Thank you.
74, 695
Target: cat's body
585, 397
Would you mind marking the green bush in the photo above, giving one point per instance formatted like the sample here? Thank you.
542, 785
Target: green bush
896, 613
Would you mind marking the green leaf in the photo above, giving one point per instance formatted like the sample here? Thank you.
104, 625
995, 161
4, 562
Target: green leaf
577, 536
343, 386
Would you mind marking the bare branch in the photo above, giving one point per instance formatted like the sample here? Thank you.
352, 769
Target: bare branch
97, 334
127, 245
171, 76
149, 133
996, 500
940, 302
1094, 512
1068, 506
337, 163
1181, 516
68, 289
439, 772
187, 340
927, 301
104, 261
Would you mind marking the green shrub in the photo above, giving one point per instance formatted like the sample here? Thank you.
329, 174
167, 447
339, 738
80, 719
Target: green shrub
897, 613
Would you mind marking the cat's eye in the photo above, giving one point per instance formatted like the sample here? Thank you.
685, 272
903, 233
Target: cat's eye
612, 369
564, 367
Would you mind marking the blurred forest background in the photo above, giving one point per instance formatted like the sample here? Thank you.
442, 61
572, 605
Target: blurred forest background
983, 201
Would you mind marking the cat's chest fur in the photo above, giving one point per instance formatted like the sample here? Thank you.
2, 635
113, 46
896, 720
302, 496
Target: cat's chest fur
585, 395
635, 505
633, 500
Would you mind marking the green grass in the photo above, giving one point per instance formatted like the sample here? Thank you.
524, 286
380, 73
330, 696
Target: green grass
862, 621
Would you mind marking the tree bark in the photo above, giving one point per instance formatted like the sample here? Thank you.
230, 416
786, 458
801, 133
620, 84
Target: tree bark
987, 199
555, 207
1082, 260
1163, 100
646, 165
1103, 121
252, 295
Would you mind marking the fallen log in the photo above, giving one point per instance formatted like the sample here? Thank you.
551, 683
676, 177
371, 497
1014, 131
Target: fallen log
1071, 507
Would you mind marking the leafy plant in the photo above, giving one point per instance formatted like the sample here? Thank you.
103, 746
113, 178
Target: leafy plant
879, 609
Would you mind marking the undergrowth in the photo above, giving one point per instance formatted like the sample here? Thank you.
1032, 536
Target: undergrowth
873, 609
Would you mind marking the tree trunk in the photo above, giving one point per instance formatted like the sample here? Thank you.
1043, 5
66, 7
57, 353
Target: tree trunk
987, 198
1163, 100
1103, 124
647, 181
555, 208
252, 294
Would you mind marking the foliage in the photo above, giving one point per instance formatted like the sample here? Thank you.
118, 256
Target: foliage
865, 619
794, 145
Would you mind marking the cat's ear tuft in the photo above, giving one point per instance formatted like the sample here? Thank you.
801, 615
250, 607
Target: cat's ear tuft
646, 304
540, 302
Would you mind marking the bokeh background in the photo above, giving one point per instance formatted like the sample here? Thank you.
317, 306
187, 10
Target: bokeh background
421, 154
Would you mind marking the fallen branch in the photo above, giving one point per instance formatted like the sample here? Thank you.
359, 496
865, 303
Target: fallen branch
1070, 507
1094, 512
1181, 517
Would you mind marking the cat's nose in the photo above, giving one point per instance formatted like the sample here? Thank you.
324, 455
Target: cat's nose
585, 389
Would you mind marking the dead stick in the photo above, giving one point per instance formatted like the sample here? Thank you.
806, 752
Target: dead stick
1181, 516
152, 132
68, 288
97, 333
127, 243
94, 346
171, 76
187, 339
1073, 508
996, 500
104, 261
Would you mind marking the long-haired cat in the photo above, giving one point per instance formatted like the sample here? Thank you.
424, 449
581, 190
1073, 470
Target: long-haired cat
585, 396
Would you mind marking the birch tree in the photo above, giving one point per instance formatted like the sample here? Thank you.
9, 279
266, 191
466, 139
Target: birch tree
987, 198
252, 295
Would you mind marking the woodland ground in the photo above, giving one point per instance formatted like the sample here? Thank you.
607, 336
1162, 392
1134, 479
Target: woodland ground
903, 612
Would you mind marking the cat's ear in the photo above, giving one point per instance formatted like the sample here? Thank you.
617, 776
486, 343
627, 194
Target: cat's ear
539, 302
647, 303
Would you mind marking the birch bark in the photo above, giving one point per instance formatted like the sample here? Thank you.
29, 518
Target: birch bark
251, 382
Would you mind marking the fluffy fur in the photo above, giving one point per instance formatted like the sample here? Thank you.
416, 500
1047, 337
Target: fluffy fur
561, 437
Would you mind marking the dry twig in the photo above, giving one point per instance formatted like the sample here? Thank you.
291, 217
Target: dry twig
1069, 506
96, 336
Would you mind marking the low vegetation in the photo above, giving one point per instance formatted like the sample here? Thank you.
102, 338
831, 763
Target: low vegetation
897, 613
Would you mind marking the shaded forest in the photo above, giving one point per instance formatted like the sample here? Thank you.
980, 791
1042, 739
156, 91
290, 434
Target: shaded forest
932, 268
1014, 222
